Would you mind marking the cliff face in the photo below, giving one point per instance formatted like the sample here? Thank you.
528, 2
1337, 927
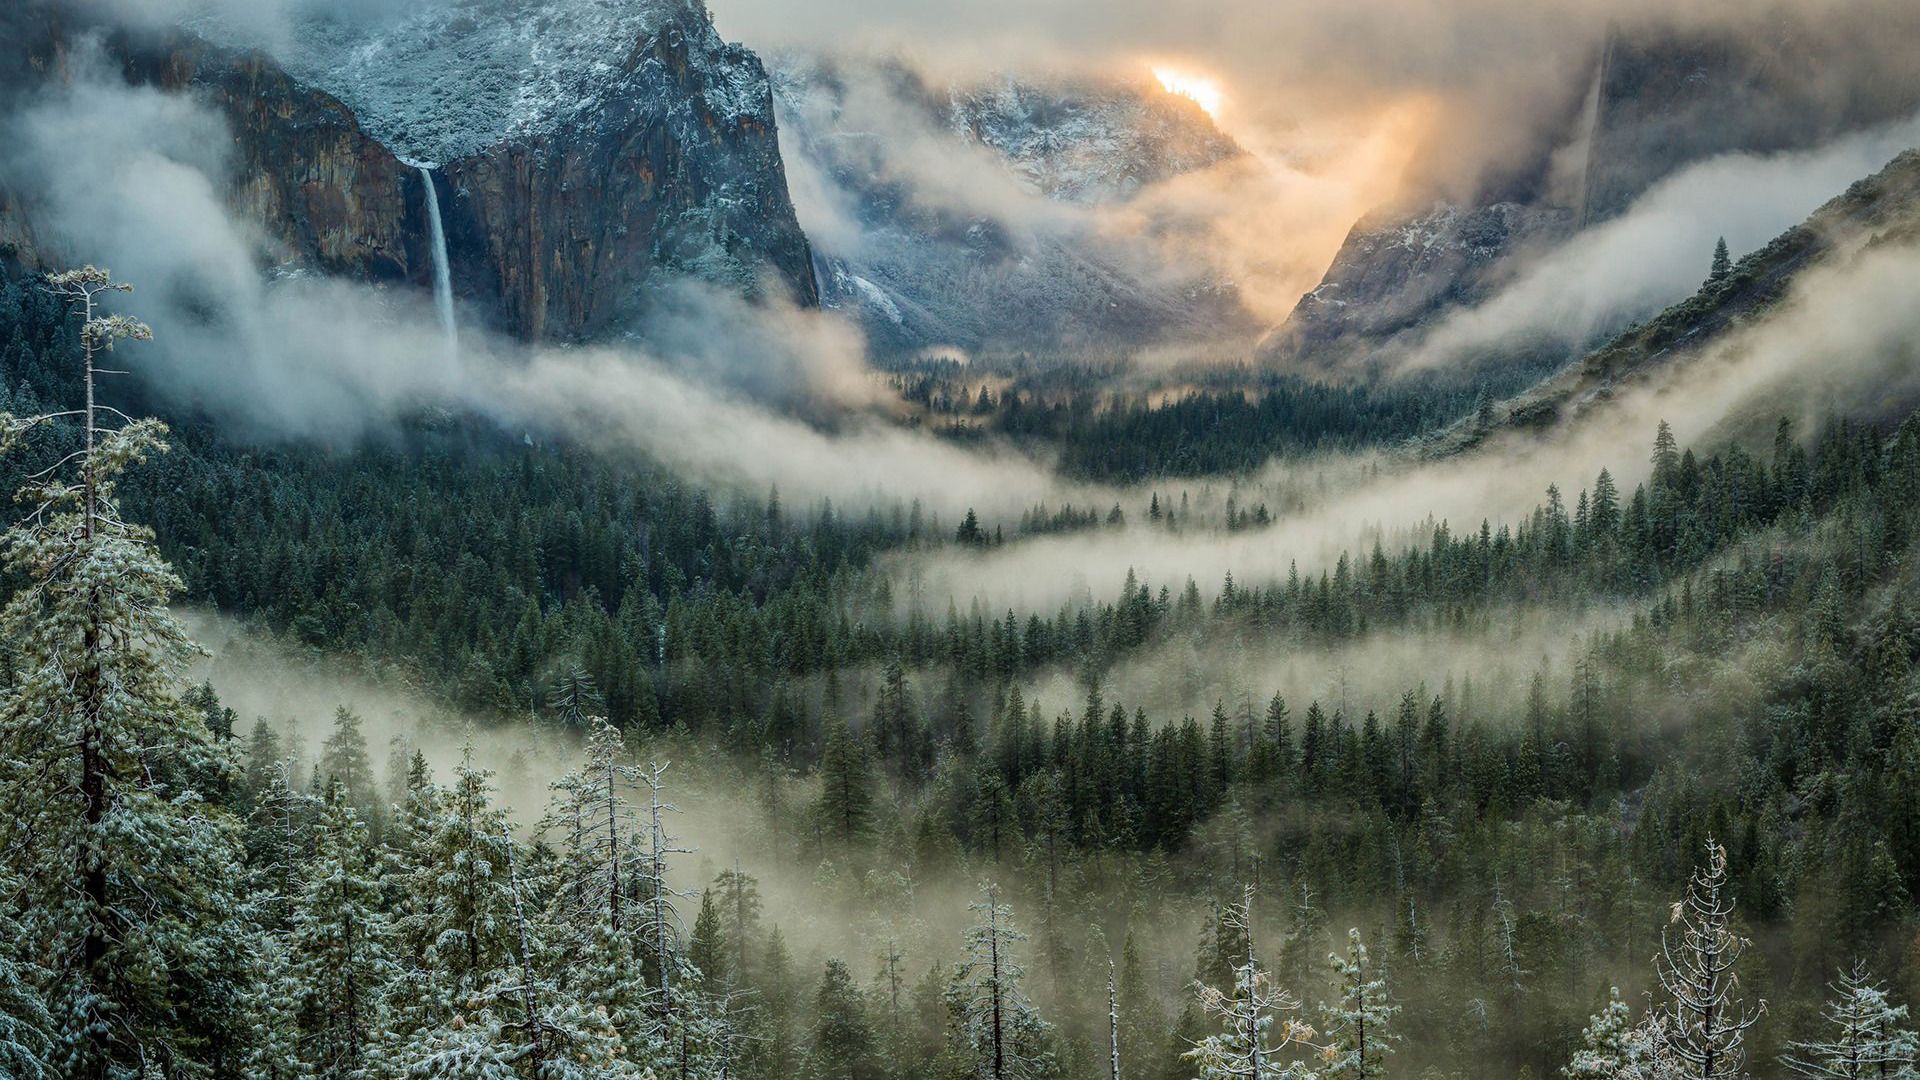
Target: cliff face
1658, 101
329, 195
558, 222
323, 193
678, 171
1669, 100
1392, 274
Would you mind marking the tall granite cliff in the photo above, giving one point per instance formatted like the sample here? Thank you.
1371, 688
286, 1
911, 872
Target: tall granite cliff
572, 188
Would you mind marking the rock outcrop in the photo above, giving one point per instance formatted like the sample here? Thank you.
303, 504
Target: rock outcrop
1392, 274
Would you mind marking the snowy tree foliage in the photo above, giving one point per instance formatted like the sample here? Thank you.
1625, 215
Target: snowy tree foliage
1258, 1038
1609, 1047
1358, 1038
998, 1033
127, 888
342, 964
1866, 1034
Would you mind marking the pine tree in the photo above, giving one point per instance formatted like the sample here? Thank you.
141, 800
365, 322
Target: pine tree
1255, 1036
1666, 455
596, 825
457, 923
969, 532
1722, 263
342, 967
707, 950
276, 839
999, 1035
846, 806
1705, 1024
1608, 1049
343, 758
1305, 940
576, 700
1869, 1036
843, 1041
1357, 1024
737, 896
129, 897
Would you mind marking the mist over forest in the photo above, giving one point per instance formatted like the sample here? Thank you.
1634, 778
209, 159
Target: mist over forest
733, 540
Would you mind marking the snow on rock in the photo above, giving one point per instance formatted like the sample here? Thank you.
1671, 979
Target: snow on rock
444, 79
1088, 142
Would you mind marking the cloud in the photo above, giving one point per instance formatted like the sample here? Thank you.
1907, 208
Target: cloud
1657, 252
733, 393
1844, 342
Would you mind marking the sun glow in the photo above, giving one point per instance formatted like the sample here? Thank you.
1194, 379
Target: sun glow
1199, 89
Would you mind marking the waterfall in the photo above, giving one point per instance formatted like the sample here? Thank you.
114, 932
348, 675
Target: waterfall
442, 276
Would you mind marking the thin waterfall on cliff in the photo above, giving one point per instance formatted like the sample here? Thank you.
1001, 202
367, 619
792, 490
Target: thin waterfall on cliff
442, 276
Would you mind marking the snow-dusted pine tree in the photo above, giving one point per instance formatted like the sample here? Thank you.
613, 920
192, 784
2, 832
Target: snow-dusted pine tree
595, 826
1704, 1020
1868, 1037
277, 838
1357, 1024
1608, 1047
342, 965
1000, 1035
129, 895
1256, 1039
456, 924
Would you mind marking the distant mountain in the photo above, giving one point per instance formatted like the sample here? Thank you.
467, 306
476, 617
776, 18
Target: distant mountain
1656, 102
1006, 253
583, 153
1393, 273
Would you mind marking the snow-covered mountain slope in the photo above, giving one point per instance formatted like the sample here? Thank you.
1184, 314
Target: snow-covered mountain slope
444, 79
978, 215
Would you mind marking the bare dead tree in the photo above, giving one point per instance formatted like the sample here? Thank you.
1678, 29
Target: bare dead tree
1705, 1022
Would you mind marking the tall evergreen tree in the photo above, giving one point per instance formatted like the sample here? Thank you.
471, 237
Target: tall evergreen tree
1722, 263
128, 888
342, 967
1358, 1022
847, 802
998, 1033
843, 1045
